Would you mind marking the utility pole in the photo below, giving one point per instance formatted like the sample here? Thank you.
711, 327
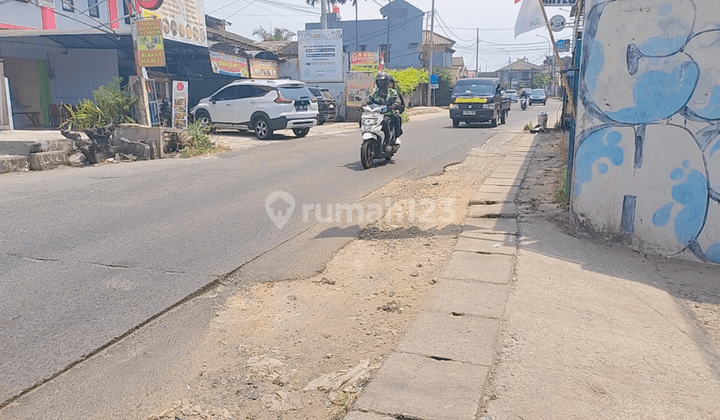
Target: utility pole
560, 68
357, 35
477, 53
387, 45
323, 14
432, 50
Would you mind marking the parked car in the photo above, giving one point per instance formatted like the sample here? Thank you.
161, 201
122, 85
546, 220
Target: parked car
512, 95
262, 106
326, 105
538, 96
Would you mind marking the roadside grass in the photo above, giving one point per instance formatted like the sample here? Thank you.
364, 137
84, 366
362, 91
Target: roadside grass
561, 196
198, 141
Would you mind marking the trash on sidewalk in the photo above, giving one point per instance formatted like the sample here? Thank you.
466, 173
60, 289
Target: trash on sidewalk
336, 381
282, 401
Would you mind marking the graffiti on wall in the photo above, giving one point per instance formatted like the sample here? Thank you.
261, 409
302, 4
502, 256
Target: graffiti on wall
647, 162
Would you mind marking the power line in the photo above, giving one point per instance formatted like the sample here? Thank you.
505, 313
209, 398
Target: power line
242, 8
443, 24
79, 21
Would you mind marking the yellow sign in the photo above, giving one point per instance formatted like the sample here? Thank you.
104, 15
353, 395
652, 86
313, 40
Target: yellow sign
471, 100
150, 45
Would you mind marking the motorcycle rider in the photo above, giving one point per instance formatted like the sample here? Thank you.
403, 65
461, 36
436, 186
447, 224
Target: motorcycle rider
387, 96
400, 110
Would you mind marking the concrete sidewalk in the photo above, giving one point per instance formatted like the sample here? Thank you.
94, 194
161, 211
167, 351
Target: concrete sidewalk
529, 322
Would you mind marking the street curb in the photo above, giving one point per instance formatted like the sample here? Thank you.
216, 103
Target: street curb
464, 315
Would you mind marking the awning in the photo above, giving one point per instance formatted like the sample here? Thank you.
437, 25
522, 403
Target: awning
71, 39
90, 39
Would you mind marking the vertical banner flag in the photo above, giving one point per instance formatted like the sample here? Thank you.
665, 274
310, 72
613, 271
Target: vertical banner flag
529, 18
180, 104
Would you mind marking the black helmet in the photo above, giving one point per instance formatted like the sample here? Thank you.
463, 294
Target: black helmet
382, 80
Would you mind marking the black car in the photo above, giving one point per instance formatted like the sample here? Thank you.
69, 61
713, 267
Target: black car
538, 96
326, 105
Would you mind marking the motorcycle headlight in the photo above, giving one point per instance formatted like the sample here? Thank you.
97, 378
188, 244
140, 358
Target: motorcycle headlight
374, 120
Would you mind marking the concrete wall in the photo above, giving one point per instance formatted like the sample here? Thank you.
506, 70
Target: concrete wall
21, 14
647, 167
27, 15
79, 72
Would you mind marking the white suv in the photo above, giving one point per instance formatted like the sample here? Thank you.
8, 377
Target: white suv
261, 105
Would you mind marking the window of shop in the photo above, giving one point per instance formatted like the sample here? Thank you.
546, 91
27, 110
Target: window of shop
68, 5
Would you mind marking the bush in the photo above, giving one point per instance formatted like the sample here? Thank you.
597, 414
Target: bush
199, 143
113, 105
407, 80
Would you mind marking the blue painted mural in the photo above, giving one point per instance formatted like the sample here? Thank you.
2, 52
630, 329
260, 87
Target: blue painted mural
647, 166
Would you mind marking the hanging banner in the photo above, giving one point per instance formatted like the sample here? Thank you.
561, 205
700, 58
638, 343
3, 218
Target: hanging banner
560, 2
359, 87
182, 20
321, 55
180, 104
229, 65
363, 61
264, 69
150, 45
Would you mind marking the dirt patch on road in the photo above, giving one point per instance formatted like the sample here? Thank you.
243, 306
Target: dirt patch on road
304, 349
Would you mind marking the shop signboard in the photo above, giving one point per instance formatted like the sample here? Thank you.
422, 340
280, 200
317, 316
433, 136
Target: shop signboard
359, 87
150, 45
180, 104
321, 55
229, 65
182, 21
363, 61
264, 69
560, 2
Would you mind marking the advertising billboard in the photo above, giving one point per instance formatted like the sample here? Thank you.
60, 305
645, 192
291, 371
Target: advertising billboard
182, 21
150, 45
229, 65
359, 87
321, 55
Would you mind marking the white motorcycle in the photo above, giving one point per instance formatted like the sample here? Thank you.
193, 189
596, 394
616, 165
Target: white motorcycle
523, 102
375, 144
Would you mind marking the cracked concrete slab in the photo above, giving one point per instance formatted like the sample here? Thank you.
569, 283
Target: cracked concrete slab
469, 298
488, 245
503, 181
492, 198
473, 227
461, 338
492, 211
418, 387
479, 267
359, 415
504, 189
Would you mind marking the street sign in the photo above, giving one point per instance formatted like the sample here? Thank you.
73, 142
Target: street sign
557, 23
563, 45
434, 82
560, 2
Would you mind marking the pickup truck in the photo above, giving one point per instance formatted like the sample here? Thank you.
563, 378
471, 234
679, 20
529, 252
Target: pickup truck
478, 100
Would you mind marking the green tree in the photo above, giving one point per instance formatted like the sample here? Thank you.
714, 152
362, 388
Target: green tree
540, 80
407, 80
278, 34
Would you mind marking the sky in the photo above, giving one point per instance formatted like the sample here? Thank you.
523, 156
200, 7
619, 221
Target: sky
456, 19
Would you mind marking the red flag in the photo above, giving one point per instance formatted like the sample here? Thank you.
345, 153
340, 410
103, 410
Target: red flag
382, 60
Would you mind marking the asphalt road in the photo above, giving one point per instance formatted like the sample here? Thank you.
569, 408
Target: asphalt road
88, 254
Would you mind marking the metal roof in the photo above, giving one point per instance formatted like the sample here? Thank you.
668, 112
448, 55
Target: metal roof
72, 39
